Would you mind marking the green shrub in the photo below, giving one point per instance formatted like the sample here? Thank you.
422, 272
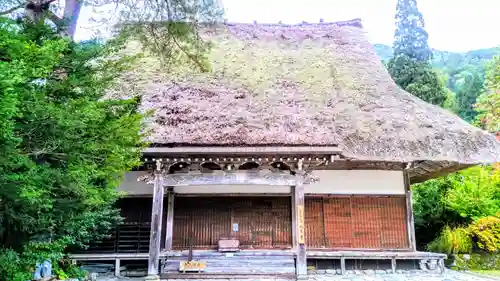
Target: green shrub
474, 192
452, 241
478, 261
486, 233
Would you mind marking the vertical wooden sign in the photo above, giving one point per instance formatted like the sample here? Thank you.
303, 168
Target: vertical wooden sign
300, 224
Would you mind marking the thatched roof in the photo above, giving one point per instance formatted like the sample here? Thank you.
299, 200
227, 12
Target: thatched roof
306, 84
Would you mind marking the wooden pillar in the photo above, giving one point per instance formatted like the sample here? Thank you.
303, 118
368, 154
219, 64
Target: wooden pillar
409, 212
156, 221
117, 267
170, 219
294, 219
298, 223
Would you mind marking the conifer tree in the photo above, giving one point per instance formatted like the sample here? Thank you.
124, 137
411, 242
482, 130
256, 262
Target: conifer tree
410, 66
410, 38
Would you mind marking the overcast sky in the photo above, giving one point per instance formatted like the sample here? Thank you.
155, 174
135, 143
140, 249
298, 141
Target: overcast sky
453, 25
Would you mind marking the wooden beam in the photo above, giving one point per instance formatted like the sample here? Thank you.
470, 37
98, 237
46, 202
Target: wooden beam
299, 225
170, 220
156, 222
228, 178
294, 220
249, 150
439, 173
409, 212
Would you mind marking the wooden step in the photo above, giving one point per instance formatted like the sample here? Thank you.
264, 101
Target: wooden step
263, 277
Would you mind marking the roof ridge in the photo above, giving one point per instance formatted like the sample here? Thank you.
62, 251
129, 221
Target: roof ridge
354, 22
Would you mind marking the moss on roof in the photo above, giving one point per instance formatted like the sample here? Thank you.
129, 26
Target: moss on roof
308, 84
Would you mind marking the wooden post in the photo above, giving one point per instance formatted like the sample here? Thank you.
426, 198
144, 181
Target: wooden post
117, 267
295, 245
156, 220
409, 212
298, 223
170, 220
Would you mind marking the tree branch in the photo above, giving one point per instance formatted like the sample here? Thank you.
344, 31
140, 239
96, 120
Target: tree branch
8, 11
55, 19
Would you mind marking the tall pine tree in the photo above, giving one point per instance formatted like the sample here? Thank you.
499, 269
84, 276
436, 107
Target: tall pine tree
410, 38
410, 67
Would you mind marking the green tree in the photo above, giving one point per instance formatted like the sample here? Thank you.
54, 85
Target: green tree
488, 105
410, 66
417, 78
65, 147
455, 200
468, 83
168, 28
475, 192
410, 38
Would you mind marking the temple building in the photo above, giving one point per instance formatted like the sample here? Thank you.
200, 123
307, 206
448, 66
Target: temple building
297, 150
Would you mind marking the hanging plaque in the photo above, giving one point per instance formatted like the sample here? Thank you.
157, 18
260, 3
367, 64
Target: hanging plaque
300, 224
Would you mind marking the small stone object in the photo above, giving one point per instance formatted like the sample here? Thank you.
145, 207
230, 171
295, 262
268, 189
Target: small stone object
330, 271
43, 270
369, 272
93, 276
339, 271
349, 272
422, 264
432, 265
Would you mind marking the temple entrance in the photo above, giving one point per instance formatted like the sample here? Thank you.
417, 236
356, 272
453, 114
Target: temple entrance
258, 222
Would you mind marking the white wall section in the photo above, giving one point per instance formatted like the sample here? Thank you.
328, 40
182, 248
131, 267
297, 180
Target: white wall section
376, 182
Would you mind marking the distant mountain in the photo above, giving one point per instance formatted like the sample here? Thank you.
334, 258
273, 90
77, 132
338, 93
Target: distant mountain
446, 59
463, 73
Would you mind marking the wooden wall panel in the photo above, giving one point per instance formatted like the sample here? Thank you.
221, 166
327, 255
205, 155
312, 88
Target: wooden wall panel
313, 215
338, 227
132, 236
393, 213
357, 222
262, 222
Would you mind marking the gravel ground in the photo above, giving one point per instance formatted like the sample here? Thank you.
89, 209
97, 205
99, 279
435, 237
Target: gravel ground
449, 275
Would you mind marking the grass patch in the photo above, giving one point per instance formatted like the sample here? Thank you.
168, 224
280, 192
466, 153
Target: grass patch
495, 273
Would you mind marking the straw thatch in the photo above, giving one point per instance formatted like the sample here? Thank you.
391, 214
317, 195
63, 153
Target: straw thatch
307, 84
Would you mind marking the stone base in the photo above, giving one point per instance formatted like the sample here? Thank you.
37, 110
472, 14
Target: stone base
152, 278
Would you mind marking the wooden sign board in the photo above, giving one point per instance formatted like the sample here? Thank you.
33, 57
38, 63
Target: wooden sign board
300, 224
229, 245
191, 266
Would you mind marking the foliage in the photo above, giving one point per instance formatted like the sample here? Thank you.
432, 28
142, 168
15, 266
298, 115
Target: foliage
486, 232
410, 65
488, 104
478, 261
418, 78
19, 266
430, 210
65, 147
465, 77
452, 241
456, 199
475, 192
410, 38
167, 28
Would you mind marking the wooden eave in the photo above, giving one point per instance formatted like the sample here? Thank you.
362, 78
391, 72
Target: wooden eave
241, 150
314, 157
